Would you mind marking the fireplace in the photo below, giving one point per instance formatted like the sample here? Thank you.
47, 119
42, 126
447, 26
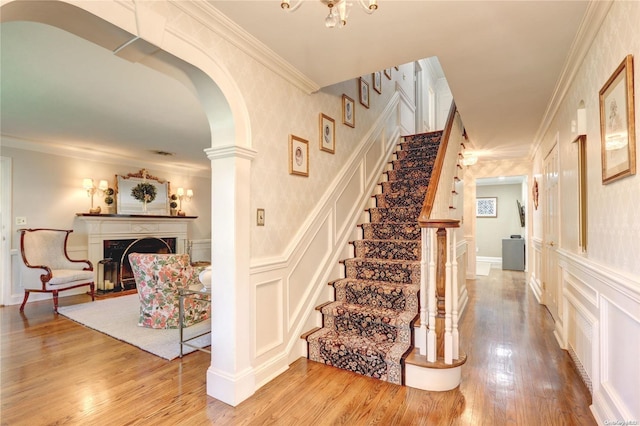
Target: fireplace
116, 256
109, 236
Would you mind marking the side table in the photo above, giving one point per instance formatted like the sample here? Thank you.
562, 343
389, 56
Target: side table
201, 296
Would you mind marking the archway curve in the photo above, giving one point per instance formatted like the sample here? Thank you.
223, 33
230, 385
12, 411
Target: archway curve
112, 26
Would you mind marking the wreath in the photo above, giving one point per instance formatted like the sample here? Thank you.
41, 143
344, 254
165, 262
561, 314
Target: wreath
144, 192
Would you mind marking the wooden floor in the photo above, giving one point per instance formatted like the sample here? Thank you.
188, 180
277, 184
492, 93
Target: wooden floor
54, 371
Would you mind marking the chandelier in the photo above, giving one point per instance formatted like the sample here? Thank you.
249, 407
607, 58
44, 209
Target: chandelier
338, 10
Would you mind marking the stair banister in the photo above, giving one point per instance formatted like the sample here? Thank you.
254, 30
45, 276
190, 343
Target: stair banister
439, 270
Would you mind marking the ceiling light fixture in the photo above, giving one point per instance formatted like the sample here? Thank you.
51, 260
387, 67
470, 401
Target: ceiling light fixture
338, 10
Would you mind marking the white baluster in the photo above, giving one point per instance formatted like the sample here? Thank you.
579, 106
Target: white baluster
448, 338
431, 337
454, 297
421, 338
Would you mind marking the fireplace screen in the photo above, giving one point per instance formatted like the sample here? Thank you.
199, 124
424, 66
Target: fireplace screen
116, 257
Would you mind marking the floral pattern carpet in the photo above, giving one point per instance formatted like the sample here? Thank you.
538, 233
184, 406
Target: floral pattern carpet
367, 329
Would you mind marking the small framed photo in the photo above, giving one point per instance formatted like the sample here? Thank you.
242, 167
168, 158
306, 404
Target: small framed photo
377, 81
487, 207
364, 93
617, 125
298, 156
348, 111
327, 134
387, 72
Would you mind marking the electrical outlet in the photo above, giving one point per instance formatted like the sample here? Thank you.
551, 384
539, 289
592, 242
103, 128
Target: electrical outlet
260, 217
21, 220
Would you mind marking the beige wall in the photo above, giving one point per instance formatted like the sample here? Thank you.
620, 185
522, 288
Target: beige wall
491, 231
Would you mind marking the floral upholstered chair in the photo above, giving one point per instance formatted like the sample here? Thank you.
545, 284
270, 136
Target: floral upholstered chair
159, 278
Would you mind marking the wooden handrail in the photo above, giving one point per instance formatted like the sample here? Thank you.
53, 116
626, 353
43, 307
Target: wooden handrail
432, 188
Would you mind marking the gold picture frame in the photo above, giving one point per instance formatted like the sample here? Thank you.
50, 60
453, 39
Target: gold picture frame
617, 124
327, 133
348, 111
364, 93
298, 156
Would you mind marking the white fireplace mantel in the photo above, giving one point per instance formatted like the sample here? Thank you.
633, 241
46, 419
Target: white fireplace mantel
119, 227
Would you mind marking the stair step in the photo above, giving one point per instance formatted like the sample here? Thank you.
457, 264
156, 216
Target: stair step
388, 249
377, 324
405, 185
394, 214
400, 199
397, 271
414, 358
413, 174
309, 333
391, 231
379, 360
377, 294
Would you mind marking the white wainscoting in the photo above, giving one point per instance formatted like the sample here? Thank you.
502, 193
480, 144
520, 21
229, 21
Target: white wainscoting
601, 330
287, 289
535, 265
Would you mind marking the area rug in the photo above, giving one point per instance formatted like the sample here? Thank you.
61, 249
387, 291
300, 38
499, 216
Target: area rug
118, 317
483, 268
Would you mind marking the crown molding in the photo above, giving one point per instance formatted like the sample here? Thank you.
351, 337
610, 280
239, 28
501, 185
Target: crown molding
221, 25
593, 18
62, 150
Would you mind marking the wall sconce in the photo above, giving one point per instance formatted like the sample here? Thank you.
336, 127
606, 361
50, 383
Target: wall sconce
181, 195
87, 184
469, 159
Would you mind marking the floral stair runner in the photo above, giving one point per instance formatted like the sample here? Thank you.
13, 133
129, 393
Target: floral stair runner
368, 329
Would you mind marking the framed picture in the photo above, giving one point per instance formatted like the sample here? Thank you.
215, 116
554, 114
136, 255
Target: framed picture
377, 81
387, 72
298, 156
487, 207
617, 125
364, 93
348, 111
327, 127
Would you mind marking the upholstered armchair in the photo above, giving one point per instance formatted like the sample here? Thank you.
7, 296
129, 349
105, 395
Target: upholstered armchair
159, 279
44, 253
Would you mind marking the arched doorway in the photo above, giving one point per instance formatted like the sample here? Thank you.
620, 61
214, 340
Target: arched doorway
135, 33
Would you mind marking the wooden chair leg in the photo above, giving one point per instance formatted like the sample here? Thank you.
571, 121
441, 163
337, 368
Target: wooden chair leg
24, 301
55, 301
92, 286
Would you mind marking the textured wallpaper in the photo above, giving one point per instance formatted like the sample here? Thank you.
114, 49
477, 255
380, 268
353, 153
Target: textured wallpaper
613, 219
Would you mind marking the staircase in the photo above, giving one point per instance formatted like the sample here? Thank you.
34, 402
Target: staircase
368, 329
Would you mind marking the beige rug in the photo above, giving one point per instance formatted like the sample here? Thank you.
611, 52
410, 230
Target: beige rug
118, 318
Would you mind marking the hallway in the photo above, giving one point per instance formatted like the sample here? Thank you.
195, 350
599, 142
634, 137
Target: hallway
515, 374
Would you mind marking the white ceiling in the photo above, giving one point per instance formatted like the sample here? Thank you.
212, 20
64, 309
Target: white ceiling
502, 61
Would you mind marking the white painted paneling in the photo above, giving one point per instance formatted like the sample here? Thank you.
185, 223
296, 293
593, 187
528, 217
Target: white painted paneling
268, 318
344, 203
620, 367
300, 280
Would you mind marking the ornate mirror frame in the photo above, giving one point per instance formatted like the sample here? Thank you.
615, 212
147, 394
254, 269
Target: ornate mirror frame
128, 204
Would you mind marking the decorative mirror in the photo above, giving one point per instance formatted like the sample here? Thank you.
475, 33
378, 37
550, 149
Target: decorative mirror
141, 193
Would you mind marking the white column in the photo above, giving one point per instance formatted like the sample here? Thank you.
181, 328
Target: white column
230, 378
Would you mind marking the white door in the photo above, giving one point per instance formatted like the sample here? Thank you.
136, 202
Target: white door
551, 293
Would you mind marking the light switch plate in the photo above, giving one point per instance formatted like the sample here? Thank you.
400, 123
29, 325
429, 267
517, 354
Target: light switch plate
21, 220
260, 217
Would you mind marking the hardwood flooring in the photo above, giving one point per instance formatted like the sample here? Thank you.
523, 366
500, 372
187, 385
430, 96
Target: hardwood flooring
54, 371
